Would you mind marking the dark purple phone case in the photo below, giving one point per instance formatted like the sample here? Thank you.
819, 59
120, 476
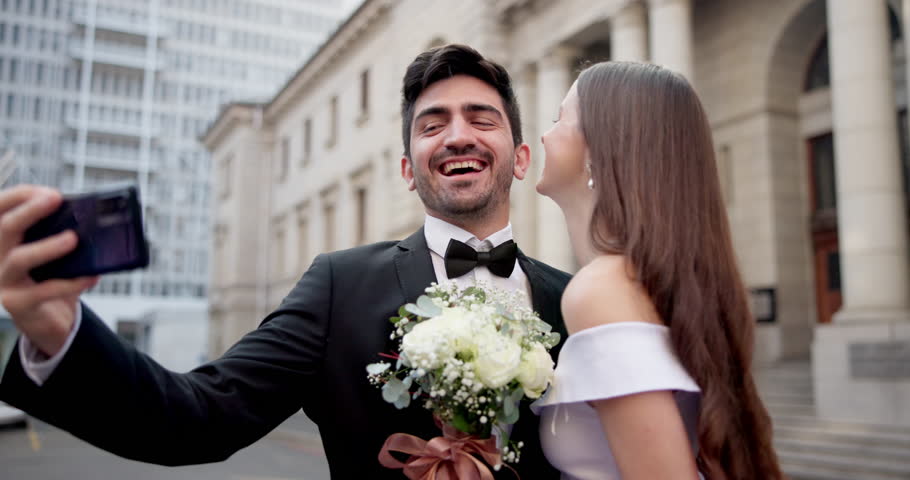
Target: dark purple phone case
109, 226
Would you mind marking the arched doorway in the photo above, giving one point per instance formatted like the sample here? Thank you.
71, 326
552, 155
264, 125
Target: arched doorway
822, 175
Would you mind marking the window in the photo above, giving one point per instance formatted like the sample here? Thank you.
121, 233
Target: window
278, 254
819, 74
364, 94
361, 198
333, 123
823, 173
224, 180
303, 242
725, 173
905, 154
284, 159
328, 215
307, 141
15, 35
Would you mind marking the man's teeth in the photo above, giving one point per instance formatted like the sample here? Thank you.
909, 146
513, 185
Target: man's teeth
472, 164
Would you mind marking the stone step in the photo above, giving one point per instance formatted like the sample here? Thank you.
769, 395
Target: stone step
802, 472
836, 426
787, 398
849, 467
790, 410
782, 376
887, 453
854, 438
781, 388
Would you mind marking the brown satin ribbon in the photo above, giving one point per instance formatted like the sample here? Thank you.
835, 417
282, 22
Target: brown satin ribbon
442, 458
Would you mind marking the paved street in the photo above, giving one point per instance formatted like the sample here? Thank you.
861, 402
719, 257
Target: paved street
292, 451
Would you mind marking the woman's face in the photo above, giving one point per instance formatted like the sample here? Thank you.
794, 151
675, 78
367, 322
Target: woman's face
566, 152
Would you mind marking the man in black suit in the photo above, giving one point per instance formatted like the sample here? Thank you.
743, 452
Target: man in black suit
463, 146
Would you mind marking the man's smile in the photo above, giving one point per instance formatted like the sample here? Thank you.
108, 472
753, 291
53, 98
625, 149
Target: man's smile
462, 166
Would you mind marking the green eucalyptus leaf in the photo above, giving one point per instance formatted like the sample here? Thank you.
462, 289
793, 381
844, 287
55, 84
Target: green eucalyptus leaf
413, 308
476, 292
552, 339
459, 422
542, 325
509, 413
426, 304
403, 401
392, 390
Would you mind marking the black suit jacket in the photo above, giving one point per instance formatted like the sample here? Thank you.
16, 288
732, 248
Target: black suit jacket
311, 352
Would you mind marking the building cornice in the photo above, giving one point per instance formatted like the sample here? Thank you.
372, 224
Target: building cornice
328, 55
230, 116
325, 57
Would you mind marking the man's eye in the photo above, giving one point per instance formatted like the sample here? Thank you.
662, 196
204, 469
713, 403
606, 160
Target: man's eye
430, 128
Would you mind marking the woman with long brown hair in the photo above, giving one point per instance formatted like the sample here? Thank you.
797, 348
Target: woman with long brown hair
655, 380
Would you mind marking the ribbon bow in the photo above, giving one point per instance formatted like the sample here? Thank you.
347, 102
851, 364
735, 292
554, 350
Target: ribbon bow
448, 457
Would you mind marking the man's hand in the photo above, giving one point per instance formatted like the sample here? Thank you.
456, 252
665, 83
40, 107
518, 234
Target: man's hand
44, 312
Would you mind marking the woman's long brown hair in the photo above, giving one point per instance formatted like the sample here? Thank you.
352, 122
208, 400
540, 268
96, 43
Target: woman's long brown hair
659, 203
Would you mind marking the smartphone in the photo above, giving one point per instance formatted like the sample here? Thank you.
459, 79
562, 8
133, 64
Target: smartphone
109, 226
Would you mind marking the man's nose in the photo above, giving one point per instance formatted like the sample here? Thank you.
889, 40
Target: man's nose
460, 134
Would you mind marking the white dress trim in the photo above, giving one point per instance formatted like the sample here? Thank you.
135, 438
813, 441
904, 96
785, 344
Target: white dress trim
613, 360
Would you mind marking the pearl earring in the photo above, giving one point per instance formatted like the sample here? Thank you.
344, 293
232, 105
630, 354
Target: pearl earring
590, 177
590, 184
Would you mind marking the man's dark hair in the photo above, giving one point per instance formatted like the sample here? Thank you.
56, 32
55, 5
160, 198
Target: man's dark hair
445, 62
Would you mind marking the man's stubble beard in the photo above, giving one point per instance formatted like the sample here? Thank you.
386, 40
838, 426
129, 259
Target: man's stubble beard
474, 208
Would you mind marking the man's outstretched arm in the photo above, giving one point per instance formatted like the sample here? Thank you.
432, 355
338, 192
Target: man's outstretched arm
109, 394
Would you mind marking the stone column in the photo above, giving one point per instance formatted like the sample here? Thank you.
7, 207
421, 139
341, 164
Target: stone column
629, 33
867, 347
870, 195
524, 193
554, 77
671, 35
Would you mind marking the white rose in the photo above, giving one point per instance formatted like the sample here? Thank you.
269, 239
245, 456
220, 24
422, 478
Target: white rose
427, 345
536, 371
498, 359
459, 325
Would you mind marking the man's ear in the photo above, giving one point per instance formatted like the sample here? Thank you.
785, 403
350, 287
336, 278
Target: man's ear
407, 173
522, 161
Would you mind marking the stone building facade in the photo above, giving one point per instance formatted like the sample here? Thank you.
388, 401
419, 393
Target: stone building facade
807, 100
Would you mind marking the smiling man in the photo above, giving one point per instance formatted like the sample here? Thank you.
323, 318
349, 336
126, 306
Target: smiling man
462, 152
462, 142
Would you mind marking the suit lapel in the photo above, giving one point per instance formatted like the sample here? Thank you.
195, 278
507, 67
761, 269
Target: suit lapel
543, 298
414, 266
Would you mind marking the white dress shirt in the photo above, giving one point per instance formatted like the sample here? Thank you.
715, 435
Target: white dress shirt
439, 232
39, 367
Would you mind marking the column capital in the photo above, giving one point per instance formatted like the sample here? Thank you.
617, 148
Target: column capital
631, 15
663, 3
558, 57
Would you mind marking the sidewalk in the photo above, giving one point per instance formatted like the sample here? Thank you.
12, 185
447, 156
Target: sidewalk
299, 433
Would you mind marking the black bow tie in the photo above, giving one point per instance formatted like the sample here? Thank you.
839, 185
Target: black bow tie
461, 258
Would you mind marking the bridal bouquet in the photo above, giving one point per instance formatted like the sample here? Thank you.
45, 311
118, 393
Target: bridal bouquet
470, 356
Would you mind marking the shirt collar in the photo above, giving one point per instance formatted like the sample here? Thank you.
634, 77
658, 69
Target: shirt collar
439, 232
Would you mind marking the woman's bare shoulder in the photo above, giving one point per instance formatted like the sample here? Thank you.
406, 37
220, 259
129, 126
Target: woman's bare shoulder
606, 291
